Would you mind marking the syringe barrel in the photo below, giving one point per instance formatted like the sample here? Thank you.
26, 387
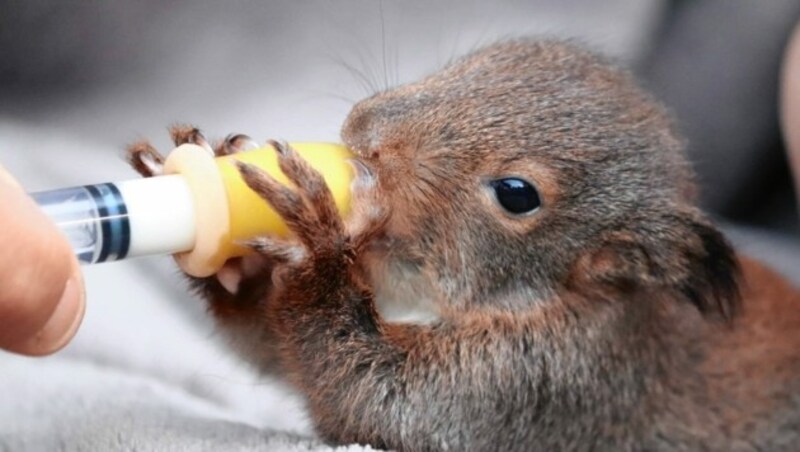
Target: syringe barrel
201, 211
112, 221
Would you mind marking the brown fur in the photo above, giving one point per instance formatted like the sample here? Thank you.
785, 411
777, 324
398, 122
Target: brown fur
614, 318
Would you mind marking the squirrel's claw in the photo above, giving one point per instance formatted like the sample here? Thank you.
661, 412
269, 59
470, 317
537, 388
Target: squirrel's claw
145, 159
235, 143
183, 133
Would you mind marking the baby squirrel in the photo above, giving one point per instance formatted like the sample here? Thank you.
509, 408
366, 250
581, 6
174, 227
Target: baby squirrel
524, 269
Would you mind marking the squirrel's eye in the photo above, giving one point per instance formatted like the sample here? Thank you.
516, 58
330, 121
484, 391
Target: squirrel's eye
516, 195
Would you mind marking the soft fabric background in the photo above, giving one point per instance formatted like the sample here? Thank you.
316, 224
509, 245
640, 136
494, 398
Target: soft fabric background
79, 80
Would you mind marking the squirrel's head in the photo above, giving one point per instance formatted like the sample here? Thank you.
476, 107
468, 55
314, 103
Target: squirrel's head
533, 167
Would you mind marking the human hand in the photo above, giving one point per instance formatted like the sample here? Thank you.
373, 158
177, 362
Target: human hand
790, 103
41, 287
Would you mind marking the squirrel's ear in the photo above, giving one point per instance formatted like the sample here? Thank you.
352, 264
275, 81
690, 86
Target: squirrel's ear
682, 252
712, 280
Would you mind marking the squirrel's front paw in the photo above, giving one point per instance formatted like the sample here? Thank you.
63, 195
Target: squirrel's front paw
323, 248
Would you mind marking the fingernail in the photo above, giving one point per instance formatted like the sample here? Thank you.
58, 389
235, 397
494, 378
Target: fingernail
63, 323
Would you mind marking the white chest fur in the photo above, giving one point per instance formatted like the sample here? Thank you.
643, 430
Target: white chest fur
403, 294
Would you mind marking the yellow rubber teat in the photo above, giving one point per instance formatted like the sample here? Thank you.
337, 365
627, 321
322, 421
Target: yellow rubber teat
251, 216
229, 212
